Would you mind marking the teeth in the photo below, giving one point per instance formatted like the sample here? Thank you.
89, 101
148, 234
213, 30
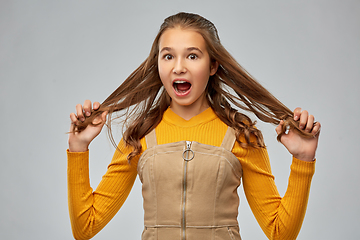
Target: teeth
175, 85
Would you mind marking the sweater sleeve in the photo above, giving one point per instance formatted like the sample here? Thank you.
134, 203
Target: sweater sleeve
279, 218
91, 210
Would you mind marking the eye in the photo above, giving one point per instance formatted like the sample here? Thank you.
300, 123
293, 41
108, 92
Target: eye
192, 56
167, 57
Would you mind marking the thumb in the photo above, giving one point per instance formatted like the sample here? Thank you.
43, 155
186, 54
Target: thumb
101, 119
279, 127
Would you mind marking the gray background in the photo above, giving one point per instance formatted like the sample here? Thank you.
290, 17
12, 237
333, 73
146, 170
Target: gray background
55, 54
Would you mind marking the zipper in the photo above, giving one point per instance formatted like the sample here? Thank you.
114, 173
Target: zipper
187, 157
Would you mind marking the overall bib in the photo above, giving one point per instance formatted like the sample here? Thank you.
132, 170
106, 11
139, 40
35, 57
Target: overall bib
190, 190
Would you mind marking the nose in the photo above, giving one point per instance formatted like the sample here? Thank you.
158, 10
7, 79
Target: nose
179, 66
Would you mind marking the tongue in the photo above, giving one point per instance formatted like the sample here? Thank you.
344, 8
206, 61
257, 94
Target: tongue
183, 86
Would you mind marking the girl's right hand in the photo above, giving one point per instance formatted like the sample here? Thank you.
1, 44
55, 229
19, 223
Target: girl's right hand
79, 141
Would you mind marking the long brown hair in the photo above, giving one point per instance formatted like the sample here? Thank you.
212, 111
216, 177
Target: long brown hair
141, 99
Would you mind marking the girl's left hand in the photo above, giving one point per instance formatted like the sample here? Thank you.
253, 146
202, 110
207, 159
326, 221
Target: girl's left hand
300, 147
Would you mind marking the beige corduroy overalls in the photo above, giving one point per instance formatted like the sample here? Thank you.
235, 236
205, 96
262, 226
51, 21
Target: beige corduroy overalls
190, 190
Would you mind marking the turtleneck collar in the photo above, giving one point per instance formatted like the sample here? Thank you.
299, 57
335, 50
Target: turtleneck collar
172, 118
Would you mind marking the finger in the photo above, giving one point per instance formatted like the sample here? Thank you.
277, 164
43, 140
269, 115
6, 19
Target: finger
79, 112
73, 118
96, 105
316, 129
74, 121
297, 113
87, 107
303, 119
310, 123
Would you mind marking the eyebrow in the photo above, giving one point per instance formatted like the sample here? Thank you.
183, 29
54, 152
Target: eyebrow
194, 49
188, 49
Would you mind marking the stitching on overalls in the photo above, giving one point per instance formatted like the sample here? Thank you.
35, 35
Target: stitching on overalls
231, 234
214, 226
216, 191
154, 185
141, 166
162, 226
217, 155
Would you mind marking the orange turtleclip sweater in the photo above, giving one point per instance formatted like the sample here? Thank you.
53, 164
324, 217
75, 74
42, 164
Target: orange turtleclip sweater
279, 217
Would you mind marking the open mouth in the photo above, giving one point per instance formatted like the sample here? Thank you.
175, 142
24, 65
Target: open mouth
181, 86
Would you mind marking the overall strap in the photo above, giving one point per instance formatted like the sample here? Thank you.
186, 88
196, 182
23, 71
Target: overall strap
229, 139
150, 139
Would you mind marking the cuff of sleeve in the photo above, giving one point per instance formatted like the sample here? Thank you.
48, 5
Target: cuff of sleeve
302, 167
78, 166
77, 155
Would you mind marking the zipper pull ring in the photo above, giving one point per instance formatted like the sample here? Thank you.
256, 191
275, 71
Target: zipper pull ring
188, 154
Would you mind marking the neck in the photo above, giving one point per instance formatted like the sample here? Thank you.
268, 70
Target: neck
189, 111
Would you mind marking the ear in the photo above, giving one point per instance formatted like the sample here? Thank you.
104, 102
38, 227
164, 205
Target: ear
213, 67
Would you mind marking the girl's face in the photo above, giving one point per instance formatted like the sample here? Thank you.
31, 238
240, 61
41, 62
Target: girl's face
185, 67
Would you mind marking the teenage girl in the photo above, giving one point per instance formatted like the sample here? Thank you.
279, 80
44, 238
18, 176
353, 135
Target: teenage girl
190, 146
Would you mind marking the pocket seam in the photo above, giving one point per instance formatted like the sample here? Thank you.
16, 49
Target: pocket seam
231, 234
